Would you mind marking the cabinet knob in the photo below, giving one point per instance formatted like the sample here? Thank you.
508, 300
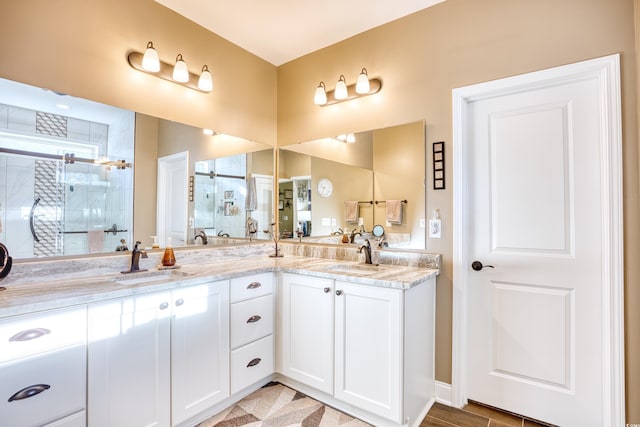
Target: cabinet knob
254, 362
179, 302
327, 289
30, 334
164, 306
254, 285
253, 319
30, 391
339, 292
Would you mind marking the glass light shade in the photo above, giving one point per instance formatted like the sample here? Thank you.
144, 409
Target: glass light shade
150, 60
342, 137
351, 138
205, 82
362, 84
180, 71
341, 91
320, 97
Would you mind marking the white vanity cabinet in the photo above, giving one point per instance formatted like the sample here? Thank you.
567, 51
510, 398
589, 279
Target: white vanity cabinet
43, 369
158, 359
252, 325
306, 330
369, 347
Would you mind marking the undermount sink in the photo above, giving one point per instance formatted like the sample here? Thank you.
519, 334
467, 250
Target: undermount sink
356, 268
150, 276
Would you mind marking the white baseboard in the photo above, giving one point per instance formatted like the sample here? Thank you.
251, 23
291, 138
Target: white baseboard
443, 393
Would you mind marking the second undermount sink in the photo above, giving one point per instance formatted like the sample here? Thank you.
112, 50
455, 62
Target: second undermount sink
150, 276
356, 268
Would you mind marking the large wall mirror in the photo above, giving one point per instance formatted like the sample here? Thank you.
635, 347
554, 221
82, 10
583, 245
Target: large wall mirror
338, 185
69, 165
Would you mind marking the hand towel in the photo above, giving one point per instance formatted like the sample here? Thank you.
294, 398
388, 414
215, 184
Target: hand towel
95, 239
252, 227
394, 211
251, 202
351, 211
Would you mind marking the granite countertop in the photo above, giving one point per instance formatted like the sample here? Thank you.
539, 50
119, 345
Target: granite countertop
66, 290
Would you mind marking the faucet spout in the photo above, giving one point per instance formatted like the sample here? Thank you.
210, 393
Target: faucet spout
202, 235
367, 251
354, 233
136, 254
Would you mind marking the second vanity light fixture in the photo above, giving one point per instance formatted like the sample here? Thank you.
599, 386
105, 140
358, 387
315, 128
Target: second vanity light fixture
364, 86
150, 63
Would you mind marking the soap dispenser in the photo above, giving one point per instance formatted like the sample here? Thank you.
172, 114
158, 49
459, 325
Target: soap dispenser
168, 259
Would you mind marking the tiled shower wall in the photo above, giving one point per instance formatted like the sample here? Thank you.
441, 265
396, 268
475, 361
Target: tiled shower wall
94, 197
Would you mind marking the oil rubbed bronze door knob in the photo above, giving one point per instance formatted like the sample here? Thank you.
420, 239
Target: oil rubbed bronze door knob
477, 266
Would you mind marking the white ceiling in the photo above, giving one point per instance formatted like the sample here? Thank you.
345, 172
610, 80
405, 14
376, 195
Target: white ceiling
279, 31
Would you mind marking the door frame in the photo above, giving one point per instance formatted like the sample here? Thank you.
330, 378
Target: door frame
163, 198
606, 71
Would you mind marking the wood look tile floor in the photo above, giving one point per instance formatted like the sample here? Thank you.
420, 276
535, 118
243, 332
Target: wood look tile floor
474, 415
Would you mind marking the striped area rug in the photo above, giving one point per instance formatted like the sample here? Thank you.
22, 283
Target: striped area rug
276, 405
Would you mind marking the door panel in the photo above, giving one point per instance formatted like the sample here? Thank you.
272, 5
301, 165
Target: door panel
536, 188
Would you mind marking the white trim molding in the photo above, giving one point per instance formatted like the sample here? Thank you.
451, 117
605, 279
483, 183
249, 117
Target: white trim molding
606, 71
443, 393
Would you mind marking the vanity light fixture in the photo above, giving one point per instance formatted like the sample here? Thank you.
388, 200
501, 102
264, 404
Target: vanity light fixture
364, 86
341, 91
320, 97
349, 138
150, 63
150, 60
180, 70
205, 82
208, 132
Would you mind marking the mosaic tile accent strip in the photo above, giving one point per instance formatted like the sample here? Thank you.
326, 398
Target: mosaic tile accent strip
51, 124
48, 213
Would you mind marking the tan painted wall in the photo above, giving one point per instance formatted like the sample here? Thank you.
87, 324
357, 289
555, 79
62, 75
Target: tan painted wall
422, 57
80, 47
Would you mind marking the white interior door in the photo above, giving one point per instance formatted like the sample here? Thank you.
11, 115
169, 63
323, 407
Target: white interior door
538, 198
173, 176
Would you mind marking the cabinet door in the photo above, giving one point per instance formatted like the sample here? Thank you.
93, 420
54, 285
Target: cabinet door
128, 364
368, 348
307, 330
199, 348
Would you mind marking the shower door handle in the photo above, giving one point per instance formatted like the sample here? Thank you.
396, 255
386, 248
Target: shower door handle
32, 219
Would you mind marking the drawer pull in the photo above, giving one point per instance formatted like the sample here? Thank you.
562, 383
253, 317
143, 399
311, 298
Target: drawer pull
164, 306
254, 285
339, 292
253, 319
327, 289
254, 362
30, 391
179, 302
30, 334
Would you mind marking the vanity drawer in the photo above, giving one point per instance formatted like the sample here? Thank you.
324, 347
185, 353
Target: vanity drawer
30, 335
247, 287
252, 363
251, 319
44, 389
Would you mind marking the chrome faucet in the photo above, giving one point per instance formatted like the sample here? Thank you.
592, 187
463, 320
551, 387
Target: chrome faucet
135, 259
354, 233
367, 251
202, 235
221, 234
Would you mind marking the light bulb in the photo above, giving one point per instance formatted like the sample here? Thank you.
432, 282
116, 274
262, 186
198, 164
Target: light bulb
150, 60
180, 71
362, 84
341, 89
351, 138
320, 97
205, 82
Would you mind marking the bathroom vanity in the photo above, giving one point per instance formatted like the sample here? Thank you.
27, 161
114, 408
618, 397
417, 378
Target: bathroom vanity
173, 347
